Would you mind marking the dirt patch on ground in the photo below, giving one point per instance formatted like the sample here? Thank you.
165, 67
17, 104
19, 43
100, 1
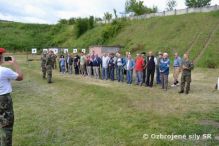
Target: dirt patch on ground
209, 123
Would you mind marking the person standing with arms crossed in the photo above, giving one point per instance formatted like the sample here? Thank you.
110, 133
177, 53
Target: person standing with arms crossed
151, 65
187, 67
6, 104
176, 65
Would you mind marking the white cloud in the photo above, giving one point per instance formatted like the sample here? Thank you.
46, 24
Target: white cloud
50, 11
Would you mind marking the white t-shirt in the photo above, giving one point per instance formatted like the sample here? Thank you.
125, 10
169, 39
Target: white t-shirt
6, 75
105, 61
128, 65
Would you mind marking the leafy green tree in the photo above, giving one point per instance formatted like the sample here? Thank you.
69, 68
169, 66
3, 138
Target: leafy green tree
115, 13
107, 16
81, 26
71, 21
171, 4
84, 24
197, 3
138, 7
91, 22
63, 21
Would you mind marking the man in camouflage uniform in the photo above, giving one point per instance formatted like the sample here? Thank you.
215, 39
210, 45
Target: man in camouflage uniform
186, 67
49, 64
54, 57
43, 65
6, 104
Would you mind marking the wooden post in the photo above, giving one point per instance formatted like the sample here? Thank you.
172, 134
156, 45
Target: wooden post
218, 84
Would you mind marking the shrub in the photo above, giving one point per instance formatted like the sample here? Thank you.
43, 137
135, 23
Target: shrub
211, 63
111, 30
83, 24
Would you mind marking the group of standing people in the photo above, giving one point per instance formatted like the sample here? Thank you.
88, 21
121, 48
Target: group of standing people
113, 66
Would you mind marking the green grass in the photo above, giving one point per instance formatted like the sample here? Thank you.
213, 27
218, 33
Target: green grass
81, 111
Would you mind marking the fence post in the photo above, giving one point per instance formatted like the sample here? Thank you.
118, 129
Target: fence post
187, 10
163, 13
175, 12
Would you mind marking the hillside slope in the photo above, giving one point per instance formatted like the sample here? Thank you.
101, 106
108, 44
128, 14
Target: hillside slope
195, 33
186, 33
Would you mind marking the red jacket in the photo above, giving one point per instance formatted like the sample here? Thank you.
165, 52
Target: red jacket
139, 64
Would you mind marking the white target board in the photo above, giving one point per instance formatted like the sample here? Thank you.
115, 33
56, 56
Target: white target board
45, 50
34, 50
75, 50
83, 50
65, 50
55, 50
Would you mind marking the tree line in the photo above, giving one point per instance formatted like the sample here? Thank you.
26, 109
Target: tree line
136, 8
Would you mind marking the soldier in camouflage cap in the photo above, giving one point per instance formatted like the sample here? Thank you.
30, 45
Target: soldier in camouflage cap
186, 67
43, 65
49, 65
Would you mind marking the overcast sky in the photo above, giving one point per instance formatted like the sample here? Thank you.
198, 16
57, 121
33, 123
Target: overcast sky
50, 11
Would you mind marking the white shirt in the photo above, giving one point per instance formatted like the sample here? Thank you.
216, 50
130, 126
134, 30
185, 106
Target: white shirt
155, 60
105, 61
119, 62
128, 65
6, 75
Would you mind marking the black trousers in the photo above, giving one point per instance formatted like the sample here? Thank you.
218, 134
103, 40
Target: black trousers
144, 75
76, 70
150, 77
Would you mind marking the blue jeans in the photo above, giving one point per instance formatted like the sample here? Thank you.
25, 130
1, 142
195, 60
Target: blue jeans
63, 68
158, 76
120, 73
111, 71
129, 76
104, 73
139, 77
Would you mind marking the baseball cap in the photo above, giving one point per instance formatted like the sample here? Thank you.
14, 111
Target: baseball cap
2, 50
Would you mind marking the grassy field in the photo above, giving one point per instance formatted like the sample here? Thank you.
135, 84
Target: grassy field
80, 111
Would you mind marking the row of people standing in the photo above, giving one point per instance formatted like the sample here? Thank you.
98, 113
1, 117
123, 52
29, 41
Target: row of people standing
144, 66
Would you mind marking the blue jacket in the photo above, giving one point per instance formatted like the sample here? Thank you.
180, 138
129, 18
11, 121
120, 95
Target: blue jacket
62, 61
97, 61
123, 62
111, 63
177, 62
131, 64
164, 66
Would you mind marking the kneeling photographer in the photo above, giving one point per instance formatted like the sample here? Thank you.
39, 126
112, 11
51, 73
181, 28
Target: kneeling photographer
6, 104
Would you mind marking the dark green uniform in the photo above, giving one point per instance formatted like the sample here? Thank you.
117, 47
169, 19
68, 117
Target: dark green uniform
43, 65
186, 75
6, 120
49, 64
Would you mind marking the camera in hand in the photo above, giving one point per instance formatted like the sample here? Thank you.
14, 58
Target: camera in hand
8, 58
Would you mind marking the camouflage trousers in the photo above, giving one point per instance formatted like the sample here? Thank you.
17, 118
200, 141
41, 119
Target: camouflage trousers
44, 72
6, 120
185, 81
49, 73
